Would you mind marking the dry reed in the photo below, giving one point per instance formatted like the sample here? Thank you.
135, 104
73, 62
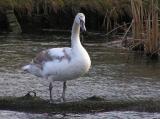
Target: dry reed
111, 10
145, 27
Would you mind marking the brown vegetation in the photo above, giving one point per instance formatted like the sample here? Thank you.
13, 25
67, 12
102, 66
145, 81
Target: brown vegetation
145, 28
105, 14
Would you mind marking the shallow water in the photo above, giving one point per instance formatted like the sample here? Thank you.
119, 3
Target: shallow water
104, 115
115, 73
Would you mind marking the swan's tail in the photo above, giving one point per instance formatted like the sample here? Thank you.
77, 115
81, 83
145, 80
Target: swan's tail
26, 68
32, 69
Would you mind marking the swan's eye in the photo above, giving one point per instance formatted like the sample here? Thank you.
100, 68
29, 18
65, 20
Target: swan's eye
80, 17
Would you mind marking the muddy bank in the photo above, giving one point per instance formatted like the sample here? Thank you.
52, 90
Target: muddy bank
35, 104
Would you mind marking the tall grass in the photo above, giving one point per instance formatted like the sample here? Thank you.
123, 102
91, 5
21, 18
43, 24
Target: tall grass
145, 26
153, 35
110, 10
98, 5
137, 11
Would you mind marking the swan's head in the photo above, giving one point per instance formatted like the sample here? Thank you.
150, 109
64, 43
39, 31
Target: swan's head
80, 19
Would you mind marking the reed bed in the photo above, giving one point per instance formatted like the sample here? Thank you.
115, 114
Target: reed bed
145, 27
152, 30
99, 5
109, 11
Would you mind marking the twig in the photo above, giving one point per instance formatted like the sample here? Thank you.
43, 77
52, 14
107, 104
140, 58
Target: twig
127, 31
116, 29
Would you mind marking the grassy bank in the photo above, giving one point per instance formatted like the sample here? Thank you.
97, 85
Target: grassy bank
101, 15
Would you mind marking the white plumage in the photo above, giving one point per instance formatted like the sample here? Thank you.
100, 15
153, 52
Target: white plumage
62, 64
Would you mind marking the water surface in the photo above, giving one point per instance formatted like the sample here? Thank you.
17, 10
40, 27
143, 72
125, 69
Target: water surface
115, 73
105, 115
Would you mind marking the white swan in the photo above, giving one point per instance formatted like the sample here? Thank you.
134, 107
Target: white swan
62, 64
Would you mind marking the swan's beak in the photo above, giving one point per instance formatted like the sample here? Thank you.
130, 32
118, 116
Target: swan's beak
82, 25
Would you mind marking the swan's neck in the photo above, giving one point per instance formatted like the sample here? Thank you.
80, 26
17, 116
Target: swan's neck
75, 39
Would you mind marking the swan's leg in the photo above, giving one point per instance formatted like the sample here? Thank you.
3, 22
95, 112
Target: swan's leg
50, 91
64, 90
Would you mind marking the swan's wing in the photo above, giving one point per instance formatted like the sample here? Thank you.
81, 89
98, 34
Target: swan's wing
53, 54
